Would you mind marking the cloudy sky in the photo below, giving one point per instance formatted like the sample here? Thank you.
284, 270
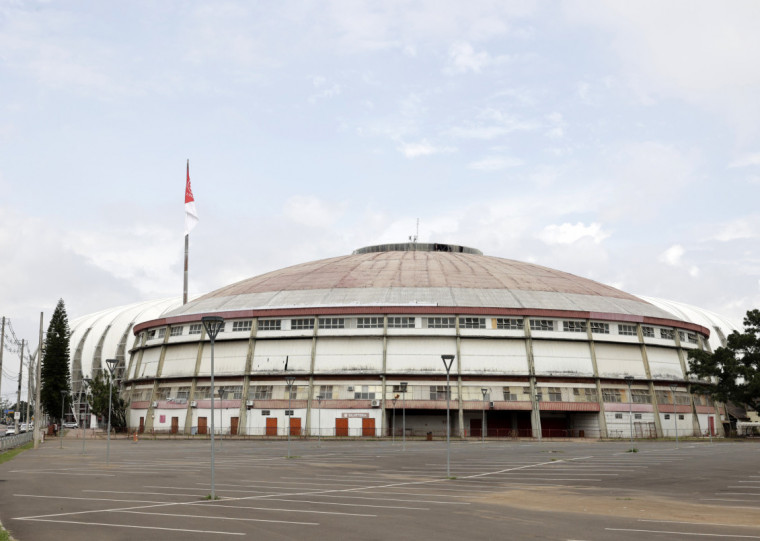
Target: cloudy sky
619, 141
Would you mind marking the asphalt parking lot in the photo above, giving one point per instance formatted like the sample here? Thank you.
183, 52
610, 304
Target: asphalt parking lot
379, 490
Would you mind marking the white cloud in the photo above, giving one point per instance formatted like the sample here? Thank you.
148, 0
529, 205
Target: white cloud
312, 211
740, 228
746, 160
324, 89
463, 58
495, 163
568, 233
702, 52
672, 256
423, 148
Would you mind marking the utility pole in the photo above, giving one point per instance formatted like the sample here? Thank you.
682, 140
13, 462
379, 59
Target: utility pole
29, 391
37, 410
20, 375
2, 347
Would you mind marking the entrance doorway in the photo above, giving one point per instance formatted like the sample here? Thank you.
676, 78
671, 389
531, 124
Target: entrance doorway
234, 426
271, 426
175, 425
368, 427
341, 427
202, 425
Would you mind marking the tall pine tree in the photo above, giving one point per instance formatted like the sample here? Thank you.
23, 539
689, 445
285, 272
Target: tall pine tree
55, 364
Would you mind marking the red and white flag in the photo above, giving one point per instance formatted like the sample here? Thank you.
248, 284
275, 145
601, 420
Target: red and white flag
191, 215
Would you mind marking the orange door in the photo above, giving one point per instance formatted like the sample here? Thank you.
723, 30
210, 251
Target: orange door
202, 424
295, 426
341, 427
368, 427
233, 426
175, 425
271, 426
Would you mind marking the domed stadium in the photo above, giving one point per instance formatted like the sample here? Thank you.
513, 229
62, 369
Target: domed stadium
358, 345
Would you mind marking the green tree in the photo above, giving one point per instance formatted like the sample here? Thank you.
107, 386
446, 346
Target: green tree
98, 386
55, 364
734, 370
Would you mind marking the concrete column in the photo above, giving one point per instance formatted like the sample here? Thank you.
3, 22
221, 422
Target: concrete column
149, 414
383, 372
460, 403
599, 395
243, 414
652, 394
310, 393
535, 414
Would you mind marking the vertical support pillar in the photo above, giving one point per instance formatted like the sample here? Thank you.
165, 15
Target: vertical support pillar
243, 413
599, 395
460, 403
535, 411
312, 364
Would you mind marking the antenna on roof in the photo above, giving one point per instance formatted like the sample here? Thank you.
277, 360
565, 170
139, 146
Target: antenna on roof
413, 239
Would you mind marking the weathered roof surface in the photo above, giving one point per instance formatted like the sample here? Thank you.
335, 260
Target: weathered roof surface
421, 278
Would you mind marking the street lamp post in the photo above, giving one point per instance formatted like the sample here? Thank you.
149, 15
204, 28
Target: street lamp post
483, 422
448, 360
393, 420
221, 417
675, 412
402, 388
319, 422
60, 427
111, 363
84, 419
629, 380
289, 380
213, 325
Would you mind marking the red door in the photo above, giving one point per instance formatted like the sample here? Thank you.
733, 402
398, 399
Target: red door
341, 427
233, 426
295, 426
711, 423
202, 424
175, 425
368, 427
271, 426
142, 425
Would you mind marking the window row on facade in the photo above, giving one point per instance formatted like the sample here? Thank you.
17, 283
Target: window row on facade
432, 322
490, 393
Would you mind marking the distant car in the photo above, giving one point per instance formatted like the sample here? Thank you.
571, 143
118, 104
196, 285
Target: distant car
70, 424
10, 431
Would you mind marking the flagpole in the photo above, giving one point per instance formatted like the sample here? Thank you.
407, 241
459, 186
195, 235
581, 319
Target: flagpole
187, 243
187, 249
191, 218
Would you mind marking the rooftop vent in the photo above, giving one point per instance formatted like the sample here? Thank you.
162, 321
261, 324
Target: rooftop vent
418, 247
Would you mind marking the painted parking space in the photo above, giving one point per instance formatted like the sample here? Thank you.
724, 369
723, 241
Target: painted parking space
337, 489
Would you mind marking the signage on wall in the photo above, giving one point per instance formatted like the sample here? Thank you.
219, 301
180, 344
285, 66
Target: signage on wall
355, 415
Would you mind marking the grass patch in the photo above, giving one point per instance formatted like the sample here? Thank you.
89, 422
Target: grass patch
632, 450
10, 455
452, 477
208, 497
626, 499
4, 535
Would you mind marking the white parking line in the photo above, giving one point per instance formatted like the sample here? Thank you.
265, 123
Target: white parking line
350, 504
698, 523
131, 526
211, 517
735, 536
286, 510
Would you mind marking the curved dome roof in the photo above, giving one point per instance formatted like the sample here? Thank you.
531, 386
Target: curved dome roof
421, 275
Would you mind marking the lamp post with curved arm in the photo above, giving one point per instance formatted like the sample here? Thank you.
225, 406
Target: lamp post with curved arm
213, 325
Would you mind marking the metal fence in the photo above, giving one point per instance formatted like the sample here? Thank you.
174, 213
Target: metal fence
17, 440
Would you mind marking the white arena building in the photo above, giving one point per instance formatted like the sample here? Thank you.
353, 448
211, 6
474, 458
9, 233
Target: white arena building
536, 352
